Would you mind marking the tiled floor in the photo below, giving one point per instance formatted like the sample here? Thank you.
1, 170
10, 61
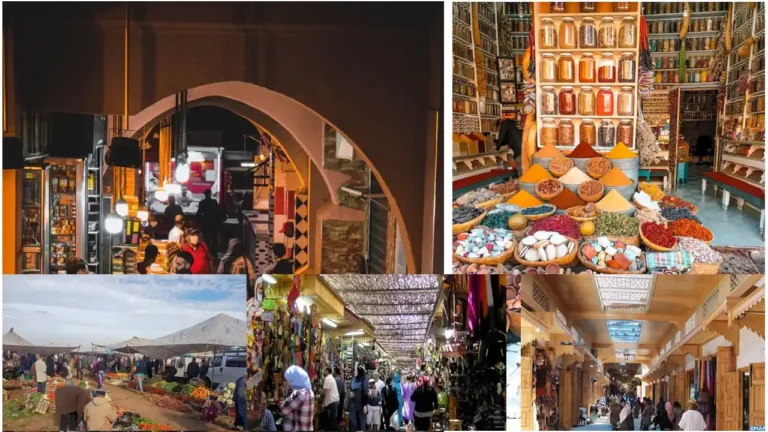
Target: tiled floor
602, 424
731, 227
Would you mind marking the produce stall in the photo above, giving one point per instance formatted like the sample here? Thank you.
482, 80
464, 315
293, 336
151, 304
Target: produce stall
590, 199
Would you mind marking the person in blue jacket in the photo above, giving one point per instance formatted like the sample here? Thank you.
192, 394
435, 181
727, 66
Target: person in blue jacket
399, 391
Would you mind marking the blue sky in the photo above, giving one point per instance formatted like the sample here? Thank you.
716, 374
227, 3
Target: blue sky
105, 309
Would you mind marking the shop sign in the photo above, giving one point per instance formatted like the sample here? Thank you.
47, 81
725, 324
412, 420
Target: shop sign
268, 316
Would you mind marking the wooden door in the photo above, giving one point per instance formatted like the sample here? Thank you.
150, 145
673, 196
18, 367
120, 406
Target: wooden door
526, 393
757, 395
731, 400
681, 394
566, 393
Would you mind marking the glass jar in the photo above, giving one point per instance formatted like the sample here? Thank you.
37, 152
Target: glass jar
606, 69
567, 33
586, 101
607, 33
548, 101
567, 101
606, 134
548, 68
548, 34
627, 33
566, 133
625, 102
586, 7
587, 72
587, 33
549, 132
566, 68
556, 7
587, 132
621, 6
605, 102
627, 68
624, 133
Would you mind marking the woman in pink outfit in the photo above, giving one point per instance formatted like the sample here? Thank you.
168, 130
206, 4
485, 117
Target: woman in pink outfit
408, 388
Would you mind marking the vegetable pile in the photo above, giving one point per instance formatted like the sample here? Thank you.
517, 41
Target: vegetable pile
200, 393
227, 396
168, 403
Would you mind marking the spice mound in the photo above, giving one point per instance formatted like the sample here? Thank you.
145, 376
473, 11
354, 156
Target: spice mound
562, 224
483, 243
614, 202
613, 224
465, 214
574, 176
675, 202
651, 189
476, 197
620, 151
497, 219
700, 251
679, 213
615, 255
616, 177
523, 199
545, 246
540, 209
689, 228
566, 199
658, 234
504, 188
560, 165
548, 151
598, 167
583, 151
535, 173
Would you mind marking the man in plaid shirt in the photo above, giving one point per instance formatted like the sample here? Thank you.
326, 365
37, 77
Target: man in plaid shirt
299, 406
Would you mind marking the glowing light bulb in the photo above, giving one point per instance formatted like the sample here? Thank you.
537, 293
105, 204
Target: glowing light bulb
113, 223
182, 172
161, 194
142, 213
121, 208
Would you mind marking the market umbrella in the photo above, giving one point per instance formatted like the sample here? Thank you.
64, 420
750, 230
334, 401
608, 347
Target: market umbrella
13, 342
220, 331
126, 346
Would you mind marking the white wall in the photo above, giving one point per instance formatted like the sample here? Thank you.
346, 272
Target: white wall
751, 347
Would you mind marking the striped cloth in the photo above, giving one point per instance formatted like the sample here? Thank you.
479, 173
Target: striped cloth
676, 262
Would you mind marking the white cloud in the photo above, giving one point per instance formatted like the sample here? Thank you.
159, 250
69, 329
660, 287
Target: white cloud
103, 309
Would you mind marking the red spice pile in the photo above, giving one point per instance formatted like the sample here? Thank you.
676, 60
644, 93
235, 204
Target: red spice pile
658, 234
566, 199
562, 224
675, 202
583, 151
689, 228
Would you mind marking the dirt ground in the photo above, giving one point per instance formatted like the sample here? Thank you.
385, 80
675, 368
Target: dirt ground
129, 401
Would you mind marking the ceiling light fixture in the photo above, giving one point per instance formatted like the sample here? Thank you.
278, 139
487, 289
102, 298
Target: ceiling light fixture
355, 333
329, 323
121, 208
113, 223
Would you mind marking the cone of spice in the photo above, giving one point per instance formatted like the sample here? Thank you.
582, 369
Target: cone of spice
574, 176
583, 151
615, 177
535, 173
566, 199
620, 151
523, 199
548, 151
613, 202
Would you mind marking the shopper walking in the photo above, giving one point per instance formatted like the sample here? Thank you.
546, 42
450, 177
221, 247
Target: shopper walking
70, 401
202, 261
667, 418
193, 369
342, 393
140, 373
399, 390
99, 414
408, 405
79, 364
373, 418
329, 415
236, 261
645, 421
150, 255
39, 371
210, 215
172, 210
692, 420
625, 418
425, 402
50, 366
358, 401
389, 405
678, 410
300, 405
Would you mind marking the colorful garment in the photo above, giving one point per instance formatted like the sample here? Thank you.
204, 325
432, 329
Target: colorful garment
297, 409
408, 404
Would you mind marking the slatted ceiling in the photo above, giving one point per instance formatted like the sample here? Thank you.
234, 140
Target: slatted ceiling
390, 309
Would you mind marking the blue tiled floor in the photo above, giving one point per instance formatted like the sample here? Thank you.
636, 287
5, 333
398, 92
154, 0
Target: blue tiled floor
731, 227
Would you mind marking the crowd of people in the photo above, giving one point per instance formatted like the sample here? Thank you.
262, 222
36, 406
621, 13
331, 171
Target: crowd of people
661, 416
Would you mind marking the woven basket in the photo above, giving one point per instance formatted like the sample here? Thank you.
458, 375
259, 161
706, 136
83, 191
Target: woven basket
533, 218
490, 204
549, 196
654, 246
499, 259
586, 169
569, 165
634, 241
580, 219
565, 261
591, 198
607, 270
706, 268
466, 226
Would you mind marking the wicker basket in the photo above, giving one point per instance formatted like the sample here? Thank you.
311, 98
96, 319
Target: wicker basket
634, 241
466, 226
654, 246
591, 198
580, 219
569, 164
565, 261
549, 196
607, 270
492, 261
490, 204
586, 169
536, 217
706, 268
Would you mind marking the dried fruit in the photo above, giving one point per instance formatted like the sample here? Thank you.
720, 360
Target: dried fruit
658, 234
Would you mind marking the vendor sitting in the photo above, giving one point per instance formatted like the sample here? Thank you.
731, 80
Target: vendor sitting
99, 413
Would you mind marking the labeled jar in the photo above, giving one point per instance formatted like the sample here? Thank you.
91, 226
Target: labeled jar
548, 101
624, 133
587, 68
566, 133
567, 33
548, 34
586, 101
606, 69
566, 68
587, 132
586, 7
607, 33
567, 101
625, 102
548, 68
587, 33
549, 132
621, 6
627, 33
556, 7
606, 134
627, 68
605, 102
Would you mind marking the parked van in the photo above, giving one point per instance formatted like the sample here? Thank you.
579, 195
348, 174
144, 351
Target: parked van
227, 367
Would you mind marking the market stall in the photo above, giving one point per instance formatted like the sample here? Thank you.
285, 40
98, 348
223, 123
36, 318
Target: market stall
591, 198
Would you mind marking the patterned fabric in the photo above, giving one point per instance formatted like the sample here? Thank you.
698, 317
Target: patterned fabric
301, 231
298, 408
679, 262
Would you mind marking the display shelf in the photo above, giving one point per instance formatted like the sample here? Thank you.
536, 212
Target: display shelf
460, 39
585, 50
744, 179
595, 15
749, 143
581, 117
750, 162
581, 84
688, 53
459, 95
676, 34
710, 14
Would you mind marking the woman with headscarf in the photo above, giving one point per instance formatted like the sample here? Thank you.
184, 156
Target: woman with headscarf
409, 386
614, 416
645, 420
666, 420
235, 262
240, 403
267, 419
425, 402
358, 401
299, 406
625, 418
399, 391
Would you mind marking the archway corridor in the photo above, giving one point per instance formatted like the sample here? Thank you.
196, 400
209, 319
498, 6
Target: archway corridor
589, 338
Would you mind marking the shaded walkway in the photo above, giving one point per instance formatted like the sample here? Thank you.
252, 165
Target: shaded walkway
602, 424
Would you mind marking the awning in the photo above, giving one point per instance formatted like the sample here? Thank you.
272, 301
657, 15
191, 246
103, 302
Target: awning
15, 343
219, 332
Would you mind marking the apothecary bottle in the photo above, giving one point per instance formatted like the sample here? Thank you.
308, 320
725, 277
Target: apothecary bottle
605, 102
587, 132
606, 134
549, 132
586, 101
587, 33
567, 33
566, 133
587, 70
627, 68
548, 34
567, 101
566, 68
624, 133
606, 69
548, 101
548, 68
627, 33
625, 102
607, 33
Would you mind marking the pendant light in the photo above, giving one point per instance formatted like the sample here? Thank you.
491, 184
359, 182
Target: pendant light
113, 223
142, 213
121, 208
161, 194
